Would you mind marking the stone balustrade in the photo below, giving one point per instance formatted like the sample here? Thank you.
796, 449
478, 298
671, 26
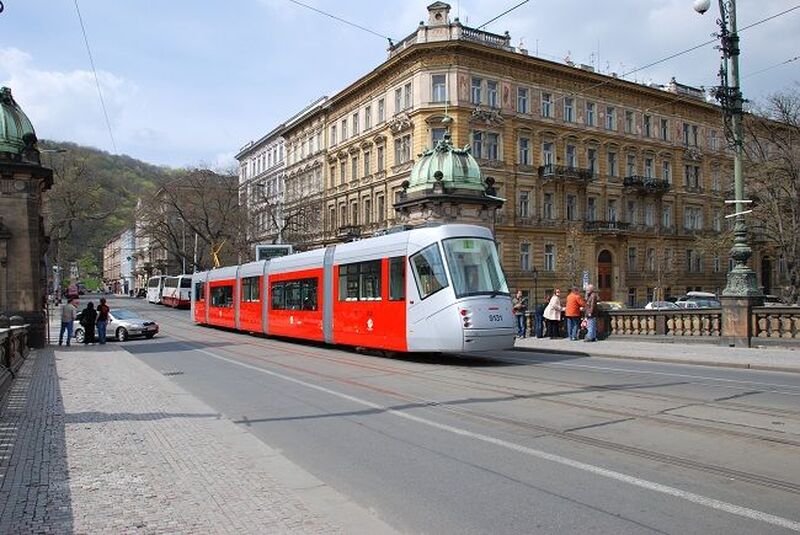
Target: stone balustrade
684, 324
13, 347
776, 324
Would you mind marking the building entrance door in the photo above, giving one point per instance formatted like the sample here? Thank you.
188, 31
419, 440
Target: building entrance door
605, 266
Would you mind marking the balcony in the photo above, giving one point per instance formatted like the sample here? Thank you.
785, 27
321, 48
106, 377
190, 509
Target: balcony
607, 227
644, 184
564, 172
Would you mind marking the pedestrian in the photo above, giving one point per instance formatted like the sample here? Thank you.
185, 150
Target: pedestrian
591, 314
519, 308
538, 316
68, 313
573, 312
102, 320
552, 313
88, 319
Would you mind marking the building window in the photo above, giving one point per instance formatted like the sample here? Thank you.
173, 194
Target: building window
572, 207
666, 216
402, 149
437, 134
628, 122
367, 117
547, 104
525, 256
666, 171
333, 135
612, 163
343, 126
648, 126
475, 95
650, 260
547, 153
381, 207
332, 170
439, 87
367, 158
717, 222
650, 215
381, 163
715, 179
477, 144
632, 297
342, 172
522, 100
548, 206
354, 167
611, 119
524, 151
713, 141
591, 209
367, 211
692, 176
591, 119
342, 215
332, 217
492, 146
630, 165
491, 93
632, 212
693, 218
549, 257
591, 158
716, 264
381, 110
648, 167
354, 212
612, 211
569, 109
694, 262
398, 100
355, 124
632, 259
524, 204
665, 129
407, 96
572, 159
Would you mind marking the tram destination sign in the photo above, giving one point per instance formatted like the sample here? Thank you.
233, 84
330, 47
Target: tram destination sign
272, 250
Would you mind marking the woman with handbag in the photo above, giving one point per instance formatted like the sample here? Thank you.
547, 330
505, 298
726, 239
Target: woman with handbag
552, 314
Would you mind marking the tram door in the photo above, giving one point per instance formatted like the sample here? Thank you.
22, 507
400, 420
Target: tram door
605, 269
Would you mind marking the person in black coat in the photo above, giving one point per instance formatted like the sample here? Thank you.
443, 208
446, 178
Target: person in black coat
88, 319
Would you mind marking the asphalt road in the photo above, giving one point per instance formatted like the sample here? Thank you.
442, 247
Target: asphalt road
512, 442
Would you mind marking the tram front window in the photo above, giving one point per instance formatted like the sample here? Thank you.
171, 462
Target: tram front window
474, 267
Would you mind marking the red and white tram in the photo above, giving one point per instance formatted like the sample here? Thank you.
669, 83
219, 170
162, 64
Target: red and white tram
177, 291
431, 289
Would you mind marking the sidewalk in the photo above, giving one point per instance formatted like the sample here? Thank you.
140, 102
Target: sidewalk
92, 440
775, 359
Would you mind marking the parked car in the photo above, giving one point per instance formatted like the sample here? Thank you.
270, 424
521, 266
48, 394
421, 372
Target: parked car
773, 301
610, 305
661, 305
700, 300
122, 324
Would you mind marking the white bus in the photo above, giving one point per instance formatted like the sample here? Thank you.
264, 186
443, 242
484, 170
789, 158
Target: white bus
155, 287
176, 293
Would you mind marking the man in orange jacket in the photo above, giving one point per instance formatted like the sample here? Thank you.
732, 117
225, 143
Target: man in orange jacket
573, 313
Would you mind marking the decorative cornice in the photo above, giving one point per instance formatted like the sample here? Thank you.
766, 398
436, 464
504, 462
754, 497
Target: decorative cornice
400, 123
489, 116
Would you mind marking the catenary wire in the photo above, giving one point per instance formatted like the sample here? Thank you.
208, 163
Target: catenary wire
96, 80
506, 12
353, 24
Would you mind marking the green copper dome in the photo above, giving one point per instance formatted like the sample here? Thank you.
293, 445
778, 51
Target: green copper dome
455, 168
14, 124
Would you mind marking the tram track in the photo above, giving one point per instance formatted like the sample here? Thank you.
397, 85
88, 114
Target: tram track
570, 435
661, 417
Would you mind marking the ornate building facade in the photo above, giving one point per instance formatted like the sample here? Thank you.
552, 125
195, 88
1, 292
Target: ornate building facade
603, 177
262, 185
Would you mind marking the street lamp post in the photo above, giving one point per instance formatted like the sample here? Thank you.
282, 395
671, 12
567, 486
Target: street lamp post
741, 279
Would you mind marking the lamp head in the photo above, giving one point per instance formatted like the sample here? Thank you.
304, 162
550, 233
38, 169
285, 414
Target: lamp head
701, 6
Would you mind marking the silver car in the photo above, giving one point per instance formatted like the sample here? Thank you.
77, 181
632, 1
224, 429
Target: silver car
122, 324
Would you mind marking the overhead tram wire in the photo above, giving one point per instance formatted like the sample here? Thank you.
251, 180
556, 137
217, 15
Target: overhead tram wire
676, 54
765, 69
340, 19
506, 12
96, 80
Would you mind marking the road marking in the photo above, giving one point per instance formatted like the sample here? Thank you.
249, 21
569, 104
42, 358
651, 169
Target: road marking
644, 372
597, 470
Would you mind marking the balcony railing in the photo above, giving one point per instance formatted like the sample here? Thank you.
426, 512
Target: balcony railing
607, 227
646, 184
565, 172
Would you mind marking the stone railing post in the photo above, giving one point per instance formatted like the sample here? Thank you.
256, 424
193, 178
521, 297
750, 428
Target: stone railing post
737, 323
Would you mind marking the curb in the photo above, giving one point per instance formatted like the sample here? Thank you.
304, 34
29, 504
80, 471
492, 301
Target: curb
716, 364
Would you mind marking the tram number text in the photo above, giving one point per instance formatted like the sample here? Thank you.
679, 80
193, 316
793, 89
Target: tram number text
495, 317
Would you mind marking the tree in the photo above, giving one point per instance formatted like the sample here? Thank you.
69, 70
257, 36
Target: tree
571, 259
197, 206
772, 170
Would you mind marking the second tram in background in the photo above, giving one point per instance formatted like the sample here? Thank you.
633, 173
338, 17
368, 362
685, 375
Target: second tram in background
431, 289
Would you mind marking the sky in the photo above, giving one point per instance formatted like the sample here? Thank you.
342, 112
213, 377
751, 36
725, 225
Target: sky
189, 82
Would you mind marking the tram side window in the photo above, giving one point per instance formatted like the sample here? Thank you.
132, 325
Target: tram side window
428, 271
186, 282
397, 279
298, 294
250, 291
360, 281
199, 291
222, 296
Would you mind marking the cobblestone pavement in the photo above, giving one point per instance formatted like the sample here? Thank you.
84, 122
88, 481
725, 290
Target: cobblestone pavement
92, 440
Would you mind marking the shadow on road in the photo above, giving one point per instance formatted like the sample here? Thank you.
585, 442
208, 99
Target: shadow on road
168, 346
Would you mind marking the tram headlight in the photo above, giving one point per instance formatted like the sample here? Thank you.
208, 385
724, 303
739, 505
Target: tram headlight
466, 315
